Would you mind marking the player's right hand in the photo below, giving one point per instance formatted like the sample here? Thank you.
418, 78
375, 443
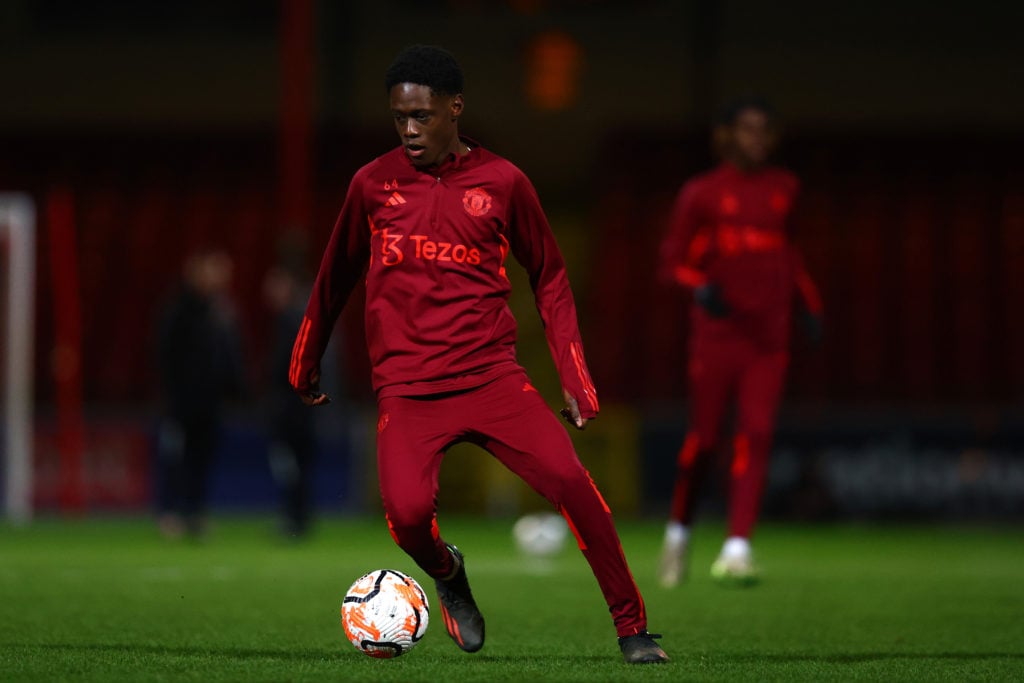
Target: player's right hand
709, 297
313, 396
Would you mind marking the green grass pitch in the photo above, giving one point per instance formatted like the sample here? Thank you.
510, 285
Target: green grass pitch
109, 600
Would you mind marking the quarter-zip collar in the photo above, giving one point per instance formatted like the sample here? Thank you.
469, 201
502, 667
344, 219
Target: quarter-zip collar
454, 162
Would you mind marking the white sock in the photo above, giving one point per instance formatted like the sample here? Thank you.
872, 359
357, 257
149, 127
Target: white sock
676, 534
736, 546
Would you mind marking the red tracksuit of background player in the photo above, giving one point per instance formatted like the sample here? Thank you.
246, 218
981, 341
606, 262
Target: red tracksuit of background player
728, 242
431, 224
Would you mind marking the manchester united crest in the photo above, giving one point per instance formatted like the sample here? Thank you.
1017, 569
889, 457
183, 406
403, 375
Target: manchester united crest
476, 201
730, 204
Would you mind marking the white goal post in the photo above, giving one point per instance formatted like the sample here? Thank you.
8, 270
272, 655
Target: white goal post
18, 238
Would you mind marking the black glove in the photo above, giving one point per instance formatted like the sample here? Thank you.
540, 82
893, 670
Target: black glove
709, 297
812, 326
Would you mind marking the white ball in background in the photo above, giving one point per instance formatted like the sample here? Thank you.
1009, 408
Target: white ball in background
540, 535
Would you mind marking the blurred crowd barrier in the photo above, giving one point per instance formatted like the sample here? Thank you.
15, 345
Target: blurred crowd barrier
118, 472
880, 463
826, 465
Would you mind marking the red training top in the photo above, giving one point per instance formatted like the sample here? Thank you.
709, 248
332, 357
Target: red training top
437, 316
729, 228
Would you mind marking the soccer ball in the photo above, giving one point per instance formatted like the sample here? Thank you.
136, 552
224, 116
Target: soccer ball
540, 535
385, 613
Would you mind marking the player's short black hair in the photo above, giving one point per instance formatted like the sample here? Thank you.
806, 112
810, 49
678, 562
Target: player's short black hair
731, 110
426, 65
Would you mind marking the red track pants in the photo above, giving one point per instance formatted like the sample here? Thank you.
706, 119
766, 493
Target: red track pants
718, 373
509, 419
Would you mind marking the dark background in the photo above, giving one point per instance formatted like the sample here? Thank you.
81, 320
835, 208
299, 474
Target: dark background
905, 121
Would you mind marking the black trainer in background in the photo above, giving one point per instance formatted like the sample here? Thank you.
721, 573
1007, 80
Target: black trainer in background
461, 616
641, 649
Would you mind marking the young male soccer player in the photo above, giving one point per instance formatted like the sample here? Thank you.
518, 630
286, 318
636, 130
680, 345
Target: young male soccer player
430, 224
728, 243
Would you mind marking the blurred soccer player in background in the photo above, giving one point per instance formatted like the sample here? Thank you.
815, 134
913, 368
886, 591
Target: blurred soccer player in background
200, 368
429, 225
728, 243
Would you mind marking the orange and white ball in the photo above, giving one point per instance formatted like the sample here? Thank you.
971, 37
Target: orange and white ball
385, 613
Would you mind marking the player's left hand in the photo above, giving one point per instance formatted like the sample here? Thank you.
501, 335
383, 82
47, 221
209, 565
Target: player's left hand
709, 297
571, 411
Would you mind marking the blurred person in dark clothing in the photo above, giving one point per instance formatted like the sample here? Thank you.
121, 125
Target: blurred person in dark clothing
292, 426
200, 367
728, 243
